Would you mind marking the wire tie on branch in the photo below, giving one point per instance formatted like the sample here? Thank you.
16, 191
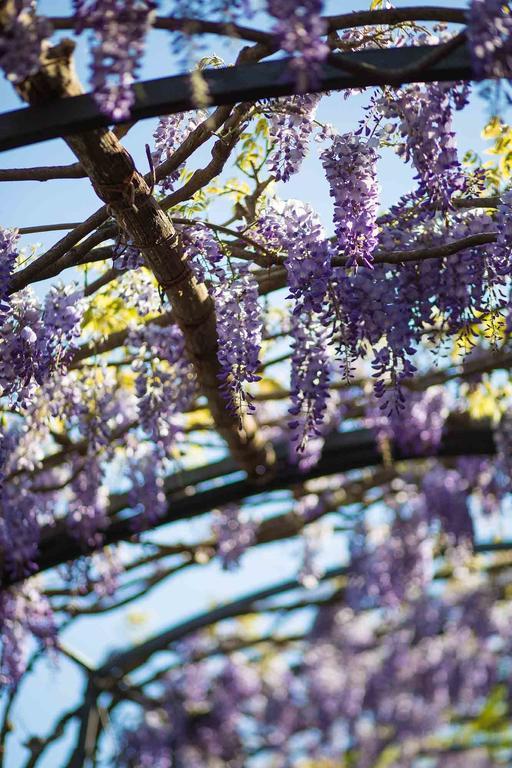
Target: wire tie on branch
181, 277
173, 239
110, 192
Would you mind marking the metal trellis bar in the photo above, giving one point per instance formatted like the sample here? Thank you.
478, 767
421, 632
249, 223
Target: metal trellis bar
247, 82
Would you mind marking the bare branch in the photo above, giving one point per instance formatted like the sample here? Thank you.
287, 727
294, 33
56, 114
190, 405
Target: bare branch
43, 173
391, 16
273, 280
124, 662
47, 228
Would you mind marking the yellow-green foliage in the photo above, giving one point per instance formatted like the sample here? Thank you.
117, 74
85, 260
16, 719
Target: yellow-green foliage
498, 167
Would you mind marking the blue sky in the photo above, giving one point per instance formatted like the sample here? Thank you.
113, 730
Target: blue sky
31, 203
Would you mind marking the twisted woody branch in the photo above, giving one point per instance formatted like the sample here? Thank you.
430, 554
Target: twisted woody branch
129, 199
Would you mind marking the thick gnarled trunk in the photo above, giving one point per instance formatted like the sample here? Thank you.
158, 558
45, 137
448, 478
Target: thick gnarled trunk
129, 198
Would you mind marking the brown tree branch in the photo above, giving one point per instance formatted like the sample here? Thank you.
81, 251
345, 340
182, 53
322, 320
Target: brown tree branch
43, 173
388, 17
274, 279
194, 140
128, 197
189, 26
47, 228
124, 662
115, 340
391, 16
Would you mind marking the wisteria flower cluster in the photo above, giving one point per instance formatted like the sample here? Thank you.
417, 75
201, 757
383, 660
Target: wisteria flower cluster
239, 339
170, 133
21, 40
490, 36
235, 532
119, 30
308, 259
87, 514
204, 254
399, 566
24, 613
300, 30
165, 383
381, 334
291, 124
426, 135
309, 380
35, 341
350, 167
8, 257
147, 492
436, 657
126, 257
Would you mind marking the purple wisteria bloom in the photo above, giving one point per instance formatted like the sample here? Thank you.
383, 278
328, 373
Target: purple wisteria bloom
490, 38
350, 165
119, 32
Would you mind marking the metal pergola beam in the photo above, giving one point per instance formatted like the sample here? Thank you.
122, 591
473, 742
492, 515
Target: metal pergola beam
245, 82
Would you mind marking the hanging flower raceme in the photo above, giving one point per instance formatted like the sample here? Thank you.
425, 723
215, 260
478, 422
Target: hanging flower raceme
24, 613
170, 133
463, 288
291, 123
204, 255
310, 375
147, 493
500, 255
62, 316
490, 37
165, 383
446, 495
350, 167
23, 32
390, 370
36, 342
308, 258
238, 315
19, 527
426, 135
139, 291
300, 30
309, 272
119, 32
87, 510
126, 257
20, 360
377, 308
394, 569
416, 428
235, 532
19, 530
8, 256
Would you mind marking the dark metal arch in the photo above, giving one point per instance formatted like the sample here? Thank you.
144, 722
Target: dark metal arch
342, 452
